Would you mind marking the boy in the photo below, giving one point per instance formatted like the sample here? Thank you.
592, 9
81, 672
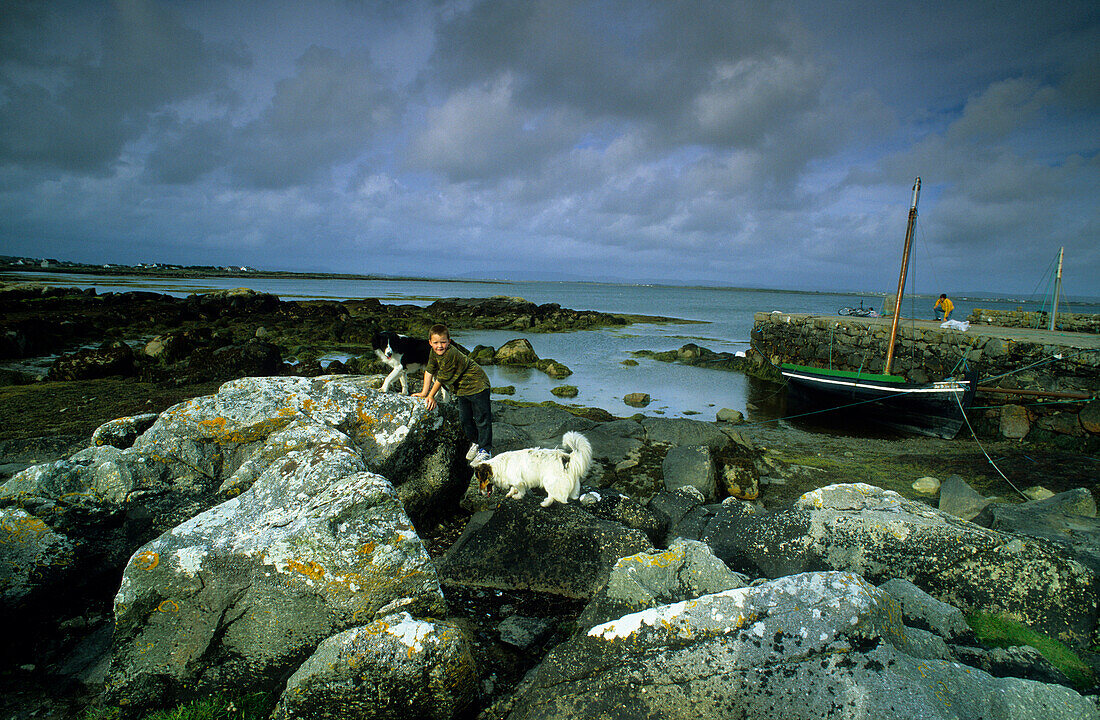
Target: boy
447, 366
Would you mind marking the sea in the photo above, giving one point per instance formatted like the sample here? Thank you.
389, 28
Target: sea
716, 318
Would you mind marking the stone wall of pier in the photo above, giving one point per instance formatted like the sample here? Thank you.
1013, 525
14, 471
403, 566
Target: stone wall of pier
923, 354
1067, 322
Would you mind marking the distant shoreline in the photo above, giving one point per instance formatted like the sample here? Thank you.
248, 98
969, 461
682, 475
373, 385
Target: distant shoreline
199, 272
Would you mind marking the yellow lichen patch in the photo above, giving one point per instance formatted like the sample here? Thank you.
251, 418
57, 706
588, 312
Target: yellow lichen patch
310, 569
366, 420
21, 529
73, 497
147, 560
213, 426
168, 606
365, 549
219, 430
665, 559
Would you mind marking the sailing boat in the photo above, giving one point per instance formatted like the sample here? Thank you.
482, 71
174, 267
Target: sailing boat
936, 409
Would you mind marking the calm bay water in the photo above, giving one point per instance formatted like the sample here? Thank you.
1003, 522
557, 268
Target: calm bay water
716, 318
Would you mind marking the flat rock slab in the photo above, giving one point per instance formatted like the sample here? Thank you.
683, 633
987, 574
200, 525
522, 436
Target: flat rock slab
562, 549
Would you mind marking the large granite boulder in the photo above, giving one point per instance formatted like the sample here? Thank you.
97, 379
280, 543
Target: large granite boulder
686, 570
881, 535
203, 450
516, 352
98, 506
690, 465
563, 549
35, 561
241, 594
1068, 518
921, 610
809, 646
396, 436
397, 666
674, 431
959, 499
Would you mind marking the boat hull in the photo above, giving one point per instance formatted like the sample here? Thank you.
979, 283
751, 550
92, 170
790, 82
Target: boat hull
933, 409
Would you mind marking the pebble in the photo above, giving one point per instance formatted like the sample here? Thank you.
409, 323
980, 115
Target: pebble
927, 486
1038, 492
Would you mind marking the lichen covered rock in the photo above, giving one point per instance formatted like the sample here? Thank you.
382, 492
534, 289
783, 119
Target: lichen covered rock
808, 646
396, 666
881, 535
243, 592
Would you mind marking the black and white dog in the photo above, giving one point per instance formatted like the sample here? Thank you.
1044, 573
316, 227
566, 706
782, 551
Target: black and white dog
402, 353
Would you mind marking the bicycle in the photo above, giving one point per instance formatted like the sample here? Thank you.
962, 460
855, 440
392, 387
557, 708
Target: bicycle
859, 311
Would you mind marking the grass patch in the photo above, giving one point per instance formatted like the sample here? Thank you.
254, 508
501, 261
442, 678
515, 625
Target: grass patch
255, 706
997, 631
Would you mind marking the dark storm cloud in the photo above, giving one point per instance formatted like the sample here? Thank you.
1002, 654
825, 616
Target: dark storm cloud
93, 103
729, 76
621, 59
744, 143
327, 113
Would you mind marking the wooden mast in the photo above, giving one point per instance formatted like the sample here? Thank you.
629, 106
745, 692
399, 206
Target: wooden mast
1057, 288
901, 279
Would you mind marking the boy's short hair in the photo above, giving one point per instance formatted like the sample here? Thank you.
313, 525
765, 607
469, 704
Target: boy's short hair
439, 330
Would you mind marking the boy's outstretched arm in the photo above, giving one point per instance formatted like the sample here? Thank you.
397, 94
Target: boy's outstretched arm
428, 392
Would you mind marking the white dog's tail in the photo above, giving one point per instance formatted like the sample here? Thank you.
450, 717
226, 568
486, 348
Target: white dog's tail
580, 458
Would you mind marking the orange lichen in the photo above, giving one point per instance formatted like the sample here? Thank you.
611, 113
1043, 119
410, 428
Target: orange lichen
21, 529
212, 426
147, 560
308, 568
168, 606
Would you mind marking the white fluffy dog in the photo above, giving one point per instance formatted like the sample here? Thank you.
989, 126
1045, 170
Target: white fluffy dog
558, 471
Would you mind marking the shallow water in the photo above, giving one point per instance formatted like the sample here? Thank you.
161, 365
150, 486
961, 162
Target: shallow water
720, 319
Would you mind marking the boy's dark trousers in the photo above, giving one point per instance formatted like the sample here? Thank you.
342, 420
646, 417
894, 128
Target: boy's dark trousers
476, 416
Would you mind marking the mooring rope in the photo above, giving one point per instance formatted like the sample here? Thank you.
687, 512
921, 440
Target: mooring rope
980, 447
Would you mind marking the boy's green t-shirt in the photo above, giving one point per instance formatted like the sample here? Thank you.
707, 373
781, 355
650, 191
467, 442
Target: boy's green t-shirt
458, 373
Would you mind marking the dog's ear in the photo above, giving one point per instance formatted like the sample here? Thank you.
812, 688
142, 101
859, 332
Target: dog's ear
484, 474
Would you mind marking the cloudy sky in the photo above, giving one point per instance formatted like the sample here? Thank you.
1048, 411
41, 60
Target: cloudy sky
755, 144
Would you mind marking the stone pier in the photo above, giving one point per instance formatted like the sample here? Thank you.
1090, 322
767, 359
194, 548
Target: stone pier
1019, 359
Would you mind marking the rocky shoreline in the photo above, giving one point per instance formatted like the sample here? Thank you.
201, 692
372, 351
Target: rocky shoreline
295, 534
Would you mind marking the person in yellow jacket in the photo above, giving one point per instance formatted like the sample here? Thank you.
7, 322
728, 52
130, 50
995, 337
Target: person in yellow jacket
944, 304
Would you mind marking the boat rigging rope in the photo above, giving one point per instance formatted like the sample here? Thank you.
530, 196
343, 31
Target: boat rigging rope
979, 444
